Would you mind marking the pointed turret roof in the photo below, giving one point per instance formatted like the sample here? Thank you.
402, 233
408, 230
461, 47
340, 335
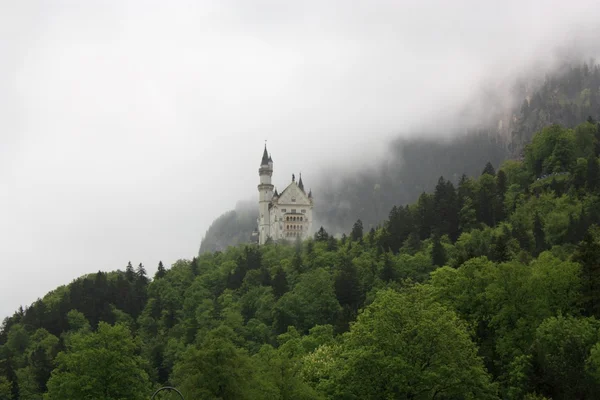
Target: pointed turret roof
300, 184
310, 194
270, 159
275, 194
265, 157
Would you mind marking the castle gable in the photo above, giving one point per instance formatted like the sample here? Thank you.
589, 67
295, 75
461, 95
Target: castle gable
292, 195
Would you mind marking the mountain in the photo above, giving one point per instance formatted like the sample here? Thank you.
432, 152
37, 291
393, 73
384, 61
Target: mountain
487, 289
567, 96
231, 228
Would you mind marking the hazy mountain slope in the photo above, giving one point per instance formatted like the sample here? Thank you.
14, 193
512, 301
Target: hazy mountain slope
566, 97
231, 228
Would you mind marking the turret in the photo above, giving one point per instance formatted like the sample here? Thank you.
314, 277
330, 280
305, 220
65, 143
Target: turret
265, 194
300, 184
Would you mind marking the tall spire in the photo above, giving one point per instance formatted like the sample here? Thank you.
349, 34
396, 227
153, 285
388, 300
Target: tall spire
265, 157
300, 184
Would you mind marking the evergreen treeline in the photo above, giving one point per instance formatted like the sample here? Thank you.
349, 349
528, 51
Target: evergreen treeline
486, 289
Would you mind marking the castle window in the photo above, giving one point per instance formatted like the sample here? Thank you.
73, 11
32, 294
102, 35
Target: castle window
293, 200
303, 211
293, 210
283, 210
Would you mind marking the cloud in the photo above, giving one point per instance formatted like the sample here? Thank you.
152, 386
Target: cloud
128, 126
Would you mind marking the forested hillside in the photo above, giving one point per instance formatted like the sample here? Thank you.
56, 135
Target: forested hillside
566, 97
486, 289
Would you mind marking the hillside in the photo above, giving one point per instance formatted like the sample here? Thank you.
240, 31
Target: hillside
566, 97
485, 289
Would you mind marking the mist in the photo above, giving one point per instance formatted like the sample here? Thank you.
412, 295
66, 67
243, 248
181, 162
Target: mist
126, 127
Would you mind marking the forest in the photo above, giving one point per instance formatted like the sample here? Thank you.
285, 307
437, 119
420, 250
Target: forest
484, 289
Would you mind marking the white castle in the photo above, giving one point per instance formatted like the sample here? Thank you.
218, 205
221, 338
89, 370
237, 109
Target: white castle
285, 215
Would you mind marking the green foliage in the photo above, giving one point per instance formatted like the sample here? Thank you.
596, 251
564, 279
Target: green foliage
100, 365
487, 288
405, 346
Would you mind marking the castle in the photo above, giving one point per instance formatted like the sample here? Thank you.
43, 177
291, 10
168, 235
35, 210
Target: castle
286, 215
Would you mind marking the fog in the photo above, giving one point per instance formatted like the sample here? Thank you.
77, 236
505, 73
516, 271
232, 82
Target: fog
127, 126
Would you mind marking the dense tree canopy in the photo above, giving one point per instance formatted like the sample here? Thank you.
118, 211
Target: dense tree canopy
488, 288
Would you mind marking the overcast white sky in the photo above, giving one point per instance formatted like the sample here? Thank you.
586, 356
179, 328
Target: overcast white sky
127, 126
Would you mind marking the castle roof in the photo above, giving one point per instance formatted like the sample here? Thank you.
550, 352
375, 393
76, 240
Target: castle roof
300, 184
265, 157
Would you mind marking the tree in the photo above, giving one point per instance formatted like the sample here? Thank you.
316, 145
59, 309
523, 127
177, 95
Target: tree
321, 235
347, 285
388, 270
101, 365
194, 266
593, 174
501, 188
588, 255
357, 231
487, 200
404, 346
129, 272
561, 347
160, 272
141, 274
5, 389
438, 253
280, 283
217, 369
489, 169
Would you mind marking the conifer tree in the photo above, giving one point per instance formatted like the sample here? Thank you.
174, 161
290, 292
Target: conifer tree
194, 266
160, 272
588, 255
438, 253
321, 235
331, 243
129, 272
280, 283
388, 271
489, 169
357, 231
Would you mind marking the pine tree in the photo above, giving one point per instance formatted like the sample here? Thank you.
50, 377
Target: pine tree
321, 235
160, 272
129, 272
588, 255
357, 231
501, 187
388, 271
438, 253
489, 169
347, 285
331, 243
280, 283
141, 274
194, 266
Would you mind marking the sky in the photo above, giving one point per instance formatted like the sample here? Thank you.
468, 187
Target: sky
127, 127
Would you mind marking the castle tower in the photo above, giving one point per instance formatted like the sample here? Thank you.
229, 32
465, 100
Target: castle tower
265, 194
